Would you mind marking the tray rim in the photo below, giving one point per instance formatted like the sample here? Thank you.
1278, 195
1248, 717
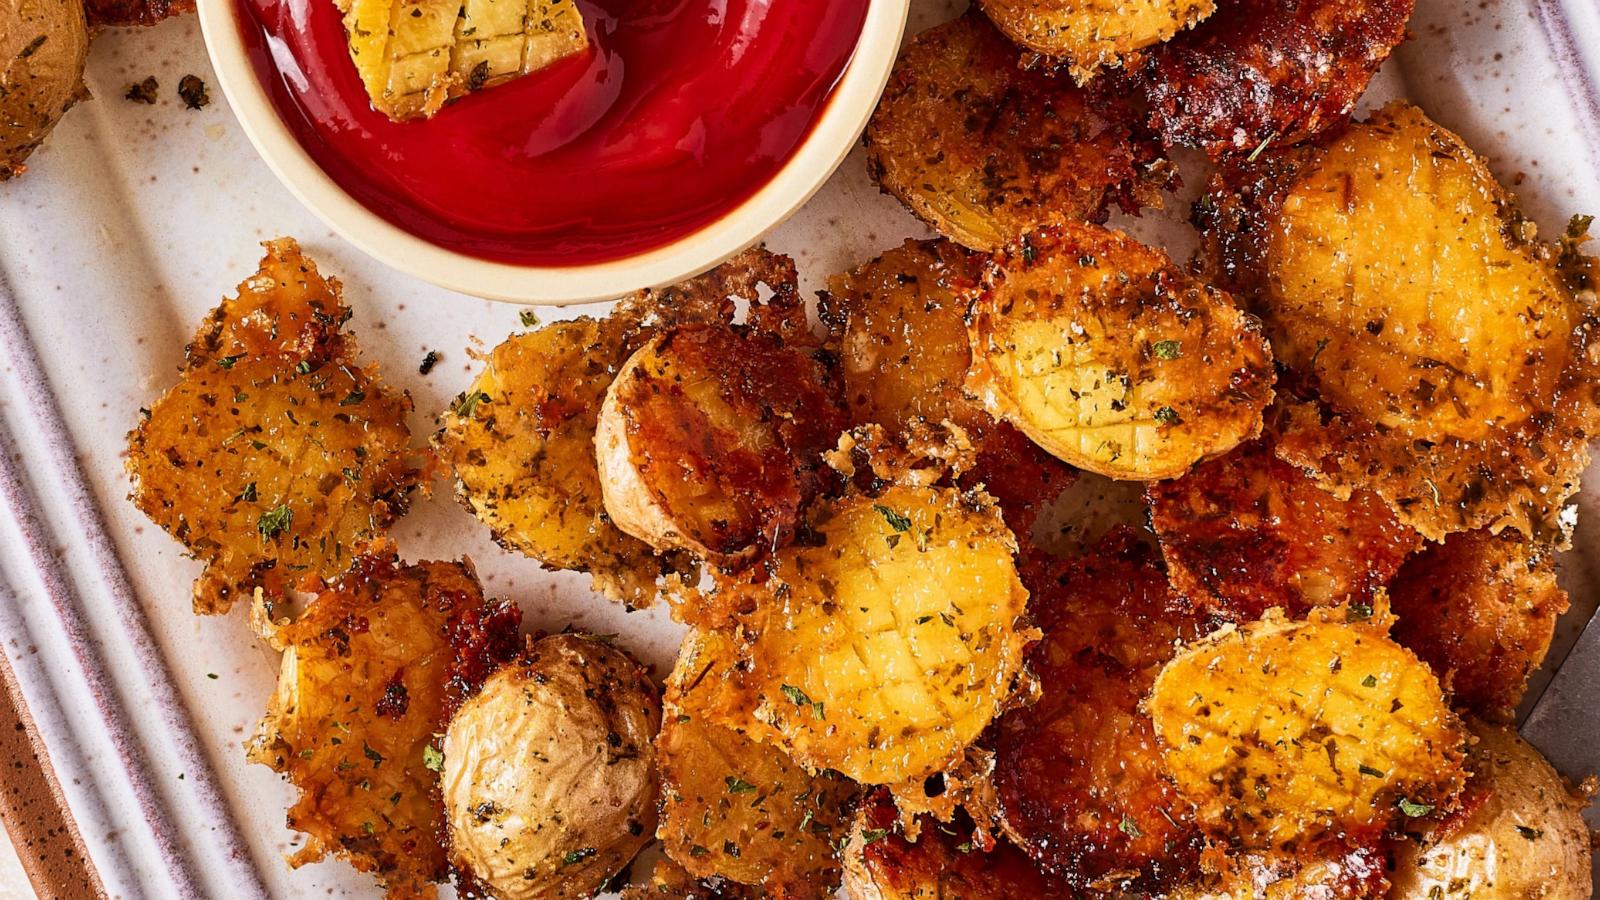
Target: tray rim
66, 664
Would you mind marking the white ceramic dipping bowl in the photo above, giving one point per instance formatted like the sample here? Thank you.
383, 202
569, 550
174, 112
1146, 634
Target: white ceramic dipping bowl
835, 133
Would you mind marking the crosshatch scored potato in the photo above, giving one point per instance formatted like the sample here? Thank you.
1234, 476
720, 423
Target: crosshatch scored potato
368, 677
885, 645
1451, 349
1282, 732
1109, 357
276, 456
982, 150
1090, 34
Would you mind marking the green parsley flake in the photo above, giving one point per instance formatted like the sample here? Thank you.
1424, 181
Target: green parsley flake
1130, 828
275, 521
737, 785
1167, 349
432, 759
896, 521
468, 404
1413, 809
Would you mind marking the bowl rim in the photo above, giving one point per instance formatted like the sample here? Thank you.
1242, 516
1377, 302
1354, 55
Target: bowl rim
831, 139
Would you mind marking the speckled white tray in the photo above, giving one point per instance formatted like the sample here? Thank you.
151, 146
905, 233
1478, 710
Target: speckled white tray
135, 219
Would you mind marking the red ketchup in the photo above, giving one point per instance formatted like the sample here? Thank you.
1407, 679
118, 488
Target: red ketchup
678, 112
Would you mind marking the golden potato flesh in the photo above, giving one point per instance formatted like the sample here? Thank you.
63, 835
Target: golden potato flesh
1091, 34
276, 456
1481, 609
1448, 348
521, 443
1520, 833
549, 772
368, 677
1325, 871
710, 440
737, 809
1283, 733
897, 324
885, 645
982, 150
1111, 358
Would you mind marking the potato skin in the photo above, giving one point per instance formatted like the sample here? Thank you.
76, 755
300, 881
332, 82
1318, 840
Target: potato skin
549, 771
982, 150
43, 44
1113, 359
1520, 833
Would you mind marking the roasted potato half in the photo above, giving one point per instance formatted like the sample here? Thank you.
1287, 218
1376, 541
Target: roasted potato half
43, 45
982, 150
276, 456
943, 863
1284, 733
883, 645
1262, 73
1091, 34
1520, 832
1079, 775
1111, 358
1481, 609
737, 809
549, 773
897, 326
710, 440
1450, 351
1247, 532
521, 443
369, 675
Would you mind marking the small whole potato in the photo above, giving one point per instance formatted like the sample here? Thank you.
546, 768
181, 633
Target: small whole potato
1522, 834
549, 773
42, 48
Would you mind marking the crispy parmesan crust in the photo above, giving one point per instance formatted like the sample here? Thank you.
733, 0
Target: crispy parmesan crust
1440, 355
276, 456
1080, 778
883, 863
1268, 72
719, 434
982, 150
1247, 532
370, 674
1481, 609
